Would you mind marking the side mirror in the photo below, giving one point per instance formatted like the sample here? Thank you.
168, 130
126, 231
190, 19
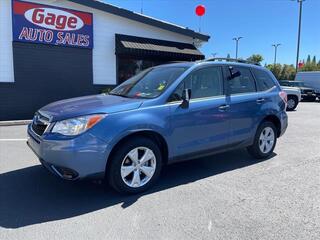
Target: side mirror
234, 74
186, 96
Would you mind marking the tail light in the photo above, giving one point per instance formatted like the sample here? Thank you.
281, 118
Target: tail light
284, 97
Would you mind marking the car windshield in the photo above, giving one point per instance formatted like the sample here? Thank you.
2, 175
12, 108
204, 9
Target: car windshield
292, 83
298, 84
149, 83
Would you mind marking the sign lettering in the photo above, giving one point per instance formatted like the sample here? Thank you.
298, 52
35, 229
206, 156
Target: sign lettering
37, 23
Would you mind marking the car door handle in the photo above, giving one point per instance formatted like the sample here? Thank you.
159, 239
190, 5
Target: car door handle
261, 100
224, 107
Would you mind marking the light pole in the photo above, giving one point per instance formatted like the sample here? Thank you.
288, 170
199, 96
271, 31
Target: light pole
141, 7
237, 39
299, 32
214, 54
275, 51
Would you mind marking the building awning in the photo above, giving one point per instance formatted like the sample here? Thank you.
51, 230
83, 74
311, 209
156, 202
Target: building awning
132, 46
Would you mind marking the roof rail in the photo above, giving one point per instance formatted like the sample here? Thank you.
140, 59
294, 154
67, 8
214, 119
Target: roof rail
231, 60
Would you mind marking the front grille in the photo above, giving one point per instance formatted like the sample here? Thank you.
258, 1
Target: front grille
39, 124
307, 91
39, 128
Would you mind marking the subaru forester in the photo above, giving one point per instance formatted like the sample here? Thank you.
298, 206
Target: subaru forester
163, 115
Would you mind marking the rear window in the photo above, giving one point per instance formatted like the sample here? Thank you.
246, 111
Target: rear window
264, 80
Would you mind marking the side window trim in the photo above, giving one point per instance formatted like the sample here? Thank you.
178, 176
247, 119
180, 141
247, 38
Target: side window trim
198, 69
254, 79
226, 79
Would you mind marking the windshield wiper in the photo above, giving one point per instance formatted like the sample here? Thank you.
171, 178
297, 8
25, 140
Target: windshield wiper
120, 95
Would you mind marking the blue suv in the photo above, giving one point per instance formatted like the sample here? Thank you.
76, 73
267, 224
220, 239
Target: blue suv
163, 115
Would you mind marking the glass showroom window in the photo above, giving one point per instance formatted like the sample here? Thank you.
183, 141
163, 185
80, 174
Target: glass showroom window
128, 67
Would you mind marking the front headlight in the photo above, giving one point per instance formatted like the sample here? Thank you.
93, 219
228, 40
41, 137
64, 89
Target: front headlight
76, 126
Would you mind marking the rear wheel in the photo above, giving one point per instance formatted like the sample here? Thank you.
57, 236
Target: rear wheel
135, 166
264, 142
292, 103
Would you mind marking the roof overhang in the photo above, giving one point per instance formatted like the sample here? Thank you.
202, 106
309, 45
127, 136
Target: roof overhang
141, 18
131, 46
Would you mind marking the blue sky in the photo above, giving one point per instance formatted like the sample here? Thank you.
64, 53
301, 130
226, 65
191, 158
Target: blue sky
260, 22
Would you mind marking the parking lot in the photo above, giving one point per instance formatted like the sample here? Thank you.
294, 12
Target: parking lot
226, 196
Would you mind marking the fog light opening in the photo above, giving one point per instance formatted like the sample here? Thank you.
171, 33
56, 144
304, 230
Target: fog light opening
65, 173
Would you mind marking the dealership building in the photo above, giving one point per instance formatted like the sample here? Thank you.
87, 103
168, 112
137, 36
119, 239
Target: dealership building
52, 50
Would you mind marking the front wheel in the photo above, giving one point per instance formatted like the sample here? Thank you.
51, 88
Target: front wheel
135, 166
292, 103
264, 142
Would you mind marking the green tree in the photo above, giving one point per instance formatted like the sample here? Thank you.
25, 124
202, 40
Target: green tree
308, 59
228, 56
310, 65
257, 58
276, 69
291, 72
288, 72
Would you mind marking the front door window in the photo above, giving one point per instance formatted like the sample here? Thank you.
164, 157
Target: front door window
204, 83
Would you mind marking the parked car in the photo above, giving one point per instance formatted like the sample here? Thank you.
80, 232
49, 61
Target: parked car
307, 93
310, 79
294, 97
163, 115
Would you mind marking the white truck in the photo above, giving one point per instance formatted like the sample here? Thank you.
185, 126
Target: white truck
294, 97
311, 80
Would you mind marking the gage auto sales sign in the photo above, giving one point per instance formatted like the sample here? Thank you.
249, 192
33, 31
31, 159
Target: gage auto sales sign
37, 23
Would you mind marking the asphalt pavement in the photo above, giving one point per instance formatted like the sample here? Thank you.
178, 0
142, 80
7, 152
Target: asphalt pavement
225, 196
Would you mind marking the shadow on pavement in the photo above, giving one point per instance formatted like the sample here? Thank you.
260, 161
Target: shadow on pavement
32, 195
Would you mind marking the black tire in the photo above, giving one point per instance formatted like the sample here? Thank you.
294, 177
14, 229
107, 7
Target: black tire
113, 173
254, 149
296, 101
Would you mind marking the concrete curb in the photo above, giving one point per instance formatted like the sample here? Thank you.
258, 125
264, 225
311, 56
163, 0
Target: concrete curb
14, 123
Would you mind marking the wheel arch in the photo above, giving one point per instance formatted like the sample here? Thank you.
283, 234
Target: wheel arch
276, 121
152, 135
293, 96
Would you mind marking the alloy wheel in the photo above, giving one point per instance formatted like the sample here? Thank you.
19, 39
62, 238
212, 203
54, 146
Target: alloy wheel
138, 167
291, 103
266, 140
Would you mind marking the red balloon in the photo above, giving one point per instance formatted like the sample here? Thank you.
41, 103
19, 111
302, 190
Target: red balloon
200, 10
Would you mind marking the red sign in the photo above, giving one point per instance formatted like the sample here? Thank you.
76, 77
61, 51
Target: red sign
45, 24
300, 65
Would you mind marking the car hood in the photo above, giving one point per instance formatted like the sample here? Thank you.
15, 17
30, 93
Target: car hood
305, 88
290, 88
81, 106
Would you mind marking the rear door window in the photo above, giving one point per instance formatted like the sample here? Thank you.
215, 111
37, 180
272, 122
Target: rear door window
263, 79
244, 83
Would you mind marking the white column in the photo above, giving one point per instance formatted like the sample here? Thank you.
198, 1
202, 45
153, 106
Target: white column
6, 54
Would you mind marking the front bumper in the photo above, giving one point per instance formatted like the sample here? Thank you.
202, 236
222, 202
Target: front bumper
308, 96
70, 159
